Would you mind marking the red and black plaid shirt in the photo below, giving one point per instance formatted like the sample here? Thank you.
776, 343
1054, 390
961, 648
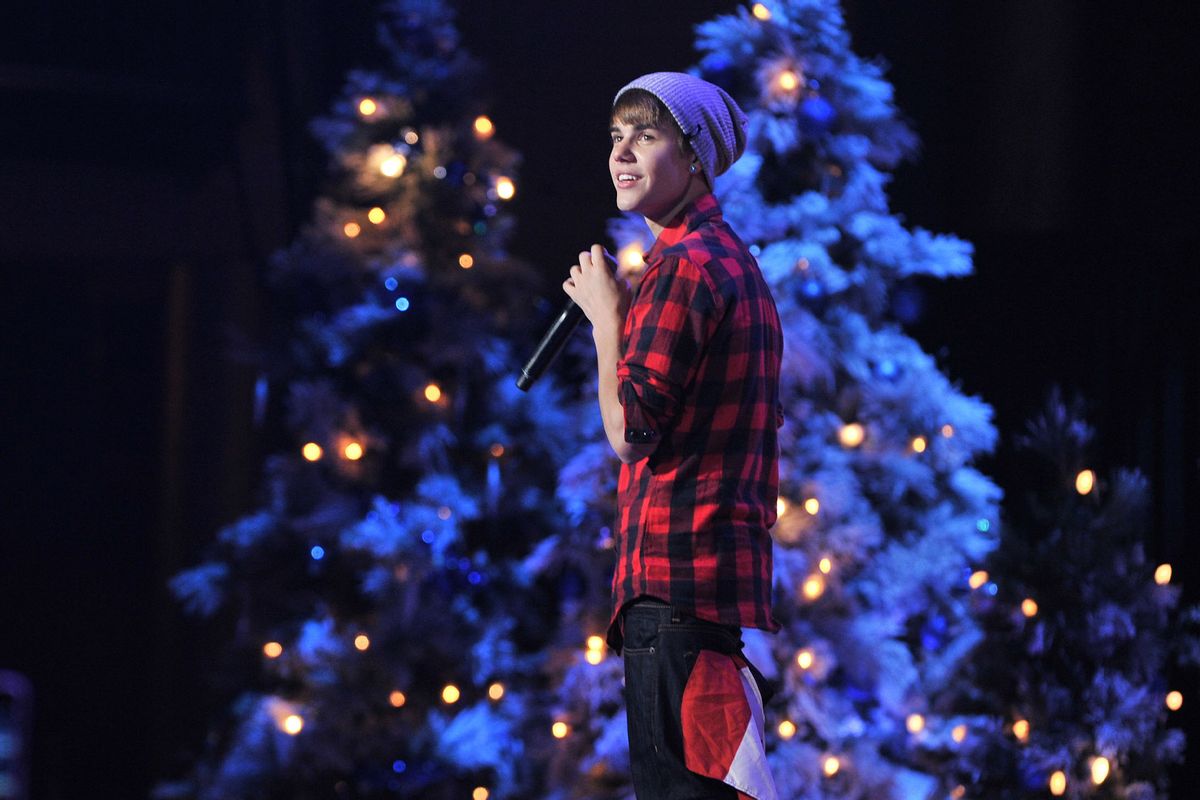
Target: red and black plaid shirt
700, 378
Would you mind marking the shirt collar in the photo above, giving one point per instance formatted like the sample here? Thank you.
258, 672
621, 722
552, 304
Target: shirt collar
693, 215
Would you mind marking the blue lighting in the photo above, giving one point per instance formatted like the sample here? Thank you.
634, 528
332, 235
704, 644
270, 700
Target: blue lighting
811, 289
427, 537
474, 578
399, 766
991, 589
755, 250
983, 526
317, 552
402, 303
887, 368
391, 284
464, 564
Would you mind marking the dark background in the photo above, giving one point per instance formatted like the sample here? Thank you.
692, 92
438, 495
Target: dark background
152, 158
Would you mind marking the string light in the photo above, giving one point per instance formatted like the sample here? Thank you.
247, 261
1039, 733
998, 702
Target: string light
978, 578
761, 12
496, 450
312, 451
959, 733
918, 444
825, 565
915, 723
433, 392
1162, 575
1058, 783
1100, 768
830, 766
804, 658
353, 451
560, 730
947, 430
1174, 700
957, 792
1085, 481
787, 81
812, 505
293, 724
1029, 607
393, 166
630, 257
272, 649
480, 793
466, 261
450, 694
505, 188
787, 729
814, 587
484, 129
367, 106
397, 699
595, 650
1020, 729
496, 691
377, 215
781, 507
351, 229
444, 513
851, 434
361, 642
411, 137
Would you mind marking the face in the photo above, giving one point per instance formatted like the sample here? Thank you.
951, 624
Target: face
650, 174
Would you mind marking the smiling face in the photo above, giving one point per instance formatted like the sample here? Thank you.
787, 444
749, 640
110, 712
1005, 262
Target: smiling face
649, 165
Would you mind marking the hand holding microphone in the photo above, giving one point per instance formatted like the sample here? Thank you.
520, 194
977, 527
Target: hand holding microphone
594, 292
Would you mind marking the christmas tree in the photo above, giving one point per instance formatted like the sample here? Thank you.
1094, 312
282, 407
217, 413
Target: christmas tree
1082, 632
883, 517
385, 633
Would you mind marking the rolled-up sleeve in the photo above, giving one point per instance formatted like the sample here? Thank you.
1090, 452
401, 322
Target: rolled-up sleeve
669, 321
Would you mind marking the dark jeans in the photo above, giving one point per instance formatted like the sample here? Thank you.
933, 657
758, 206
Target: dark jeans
661, 646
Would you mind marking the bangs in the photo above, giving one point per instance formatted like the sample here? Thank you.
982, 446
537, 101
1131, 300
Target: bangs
638, 107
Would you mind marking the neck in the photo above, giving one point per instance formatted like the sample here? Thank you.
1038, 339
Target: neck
696, 188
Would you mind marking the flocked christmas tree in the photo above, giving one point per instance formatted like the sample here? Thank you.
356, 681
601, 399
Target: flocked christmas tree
1083, 634
883, 516
385, 637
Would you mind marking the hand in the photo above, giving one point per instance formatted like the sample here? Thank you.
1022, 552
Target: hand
603, 298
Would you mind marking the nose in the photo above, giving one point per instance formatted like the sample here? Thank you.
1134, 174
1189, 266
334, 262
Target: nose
621, 151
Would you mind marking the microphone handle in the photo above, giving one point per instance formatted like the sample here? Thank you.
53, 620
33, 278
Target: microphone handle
551, 345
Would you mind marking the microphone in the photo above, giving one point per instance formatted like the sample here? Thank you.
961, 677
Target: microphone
551, 345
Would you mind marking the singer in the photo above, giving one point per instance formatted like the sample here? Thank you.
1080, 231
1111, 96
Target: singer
688, 373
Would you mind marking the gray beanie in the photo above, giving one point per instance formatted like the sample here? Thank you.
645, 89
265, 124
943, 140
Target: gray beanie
711, 121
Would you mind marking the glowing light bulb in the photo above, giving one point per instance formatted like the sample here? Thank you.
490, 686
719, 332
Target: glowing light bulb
787, 729
958, 733
947, 430
630, 257
397, 699
957, 792
1162, 574
804, 658
814, 587
376, 215
411, 137
351, 229
444, 513
825, 565
851, 434
361, 642
450, 694
787, 81
781, 507
353, 451
1058, 783
593, 657
312, 451
496, 691
272, 649
480, 793
1020, 730
484, 129
433, 392
915, 723
505, 188
560, 730
978, 578
919, 444
1085, 481
761, 12
367, 106
595, 642
1100, 768
1174, 700
1029, 607
293, 724
393, 166
496, 450
466, 261
812, 505
830, 766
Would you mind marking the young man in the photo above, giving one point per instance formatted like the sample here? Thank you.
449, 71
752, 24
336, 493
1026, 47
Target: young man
689, 395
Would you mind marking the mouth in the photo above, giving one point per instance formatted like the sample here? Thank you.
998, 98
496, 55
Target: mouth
624, 180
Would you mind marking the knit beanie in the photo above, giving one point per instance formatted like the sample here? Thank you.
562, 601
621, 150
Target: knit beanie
711, 121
